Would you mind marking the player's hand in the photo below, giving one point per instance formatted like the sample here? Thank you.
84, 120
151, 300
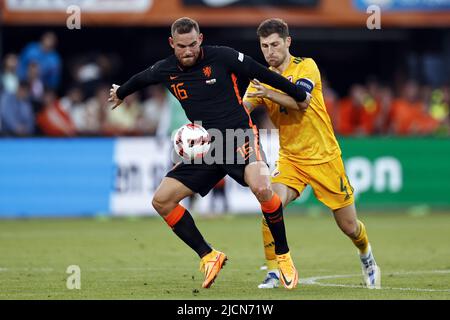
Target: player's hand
305, 104
261, 91
113, 96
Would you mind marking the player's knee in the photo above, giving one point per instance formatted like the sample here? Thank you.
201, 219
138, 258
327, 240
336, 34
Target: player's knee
157, 204
262, 192
161, 205
350, 228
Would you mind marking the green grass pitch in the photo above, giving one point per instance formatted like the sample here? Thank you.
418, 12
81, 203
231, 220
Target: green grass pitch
142, 259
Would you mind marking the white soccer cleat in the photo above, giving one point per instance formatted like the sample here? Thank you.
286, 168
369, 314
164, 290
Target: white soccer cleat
370, 270
271, 281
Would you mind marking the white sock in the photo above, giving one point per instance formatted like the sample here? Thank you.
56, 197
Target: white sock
367, 254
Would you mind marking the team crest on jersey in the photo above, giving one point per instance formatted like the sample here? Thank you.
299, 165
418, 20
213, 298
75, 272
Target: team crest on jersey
207, 71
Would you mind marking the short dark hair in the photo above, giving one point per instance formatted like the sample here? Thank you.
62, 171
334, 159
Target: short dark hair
184, 25
273, 25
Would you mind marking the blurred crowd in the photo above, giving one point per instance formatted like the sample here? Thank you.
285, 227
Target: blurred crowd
31, 102
406, 108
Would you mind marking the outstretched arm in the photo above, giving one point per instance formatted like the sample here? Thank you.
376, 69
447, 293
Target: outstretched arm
135, 83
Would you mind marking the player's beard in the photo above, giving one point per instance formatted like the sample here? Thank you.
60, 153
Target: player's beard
188, 62
275, 63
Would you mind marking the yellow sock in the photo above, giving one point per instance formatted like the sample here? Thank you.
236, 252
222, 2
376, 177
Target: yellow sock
361, 241
269, 246
272, 264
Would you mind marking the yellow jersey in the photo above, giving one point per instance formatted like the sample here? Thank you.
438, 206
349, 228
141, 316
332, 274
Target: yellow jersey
306, 137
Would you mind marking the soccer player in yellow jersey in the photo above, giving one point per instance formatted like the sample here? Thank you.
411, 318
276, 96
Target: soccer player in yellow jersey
309, 152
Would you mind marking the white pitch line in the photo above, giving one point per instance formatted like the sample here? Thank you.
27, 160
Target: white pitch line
305, 281
315, 280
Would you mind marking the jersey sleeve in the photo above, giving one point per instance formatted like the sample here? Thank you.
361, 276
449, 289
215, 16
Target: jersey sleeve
244, 65
235, 61
309, 75
140, 80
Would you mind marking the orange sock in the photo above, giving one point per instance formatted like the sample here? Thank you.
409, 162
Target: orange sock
175, 215
273, 214
272, 205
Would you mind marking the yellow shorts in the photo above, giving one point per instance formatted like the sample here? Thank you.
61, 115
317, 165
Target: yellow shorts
328, 180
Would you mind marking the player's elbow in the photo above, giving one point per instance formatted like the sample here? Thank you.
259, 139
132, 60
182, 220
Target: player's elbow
302, 106
292, 104
300, 94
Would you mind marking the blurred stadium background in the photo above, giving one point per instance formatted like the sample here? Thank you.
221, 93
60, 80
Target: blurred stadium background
63, 153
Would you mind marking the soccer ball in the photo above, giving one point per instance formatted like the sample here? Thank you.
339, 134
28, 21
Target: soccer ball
191, 141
